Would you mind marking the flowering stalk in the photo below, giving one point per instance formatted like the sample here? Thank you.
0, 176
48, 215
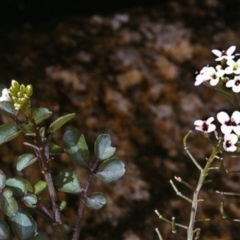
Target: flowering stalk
195, 200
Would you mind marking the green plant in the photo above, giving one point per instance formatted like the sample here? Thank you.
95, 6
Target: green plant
225, 79
15, 191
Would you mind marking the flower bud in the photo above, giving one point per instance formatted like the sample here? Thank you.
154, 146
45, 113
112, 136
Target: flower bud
29, 90
15, 86
22, 88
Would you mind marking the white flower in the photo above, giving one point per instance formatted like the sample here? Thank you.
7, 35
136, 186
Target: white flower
5, 96
205, 126
233, 67
229, 142
234, 84
209, 74
224, 54
229, 124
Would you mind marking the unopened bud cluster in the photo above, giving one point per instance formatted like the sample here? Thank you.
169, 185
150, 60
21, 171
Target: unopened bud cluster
20, 94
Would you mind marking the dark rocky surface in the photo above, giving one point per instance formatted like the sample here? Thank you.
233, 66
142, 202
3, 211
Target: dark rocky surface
130, 72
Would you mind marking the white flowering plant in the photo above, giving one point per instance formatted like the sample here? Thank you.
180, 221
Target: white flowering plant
225, 79
19, 198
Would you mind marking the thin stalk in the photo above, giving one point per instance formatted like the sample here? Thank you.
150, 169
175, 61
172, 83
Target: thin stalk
194, 207
42, 160
77, 229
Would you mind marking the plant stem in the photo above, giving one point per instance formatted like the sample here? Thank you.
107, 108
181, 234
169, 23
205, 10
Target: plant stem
194, 207
77, 229
43, 160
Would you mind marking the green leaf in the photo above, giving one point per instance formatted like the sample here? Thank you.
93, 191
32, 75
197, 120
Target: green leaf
40, 114
2, 180
27, 128
62, 205
95, 201
7, 203
102, 148
55, 149
30, 200
8, 132
7, 108
111, 170
23, 225
68, 181
40, 236
76, 147
58, 123
4, 231
25, 160
18, 185
39, 187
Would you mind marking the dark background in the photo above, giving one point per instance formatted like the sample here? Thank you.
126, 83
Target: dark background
136, 83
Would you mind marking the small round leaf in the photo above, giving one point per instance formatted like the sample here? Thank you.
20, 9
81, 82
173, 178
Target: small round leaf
8, 132
2, 179
30, 200
39, 187
58, 123
102, 148
76, 147
4, 231
7, 203
67, 181
110, 170
25, 160
95, 201
23, 225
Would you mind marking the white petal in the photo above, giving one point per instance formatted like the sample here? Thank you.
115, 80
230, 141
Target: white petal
236, 129
211, 128
232, 148
230, 83
198, 122
223, 117
217, 52
233, 138
236, 89
198, 128
209, 120
236, 116
231, 50
214, 82
226, 129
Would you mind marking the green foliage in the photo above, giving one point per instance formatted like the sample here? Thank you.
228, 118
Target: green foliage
25, 160
8, 203
4, 230
8, 132
7, 109
39, 187
58, 123
40, 114
15, 103
96, 201
23, 225
76, 147
110, 170
103, 149
68, 181
2, 180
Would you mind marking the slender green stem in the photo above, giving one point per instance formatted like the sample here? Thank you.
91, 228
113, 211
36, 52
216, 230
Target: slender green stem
77, 229
194, 207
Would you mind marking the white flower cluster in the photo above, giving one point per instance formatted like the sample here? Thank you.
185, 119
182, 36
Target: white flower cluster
227, 72
230, 128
